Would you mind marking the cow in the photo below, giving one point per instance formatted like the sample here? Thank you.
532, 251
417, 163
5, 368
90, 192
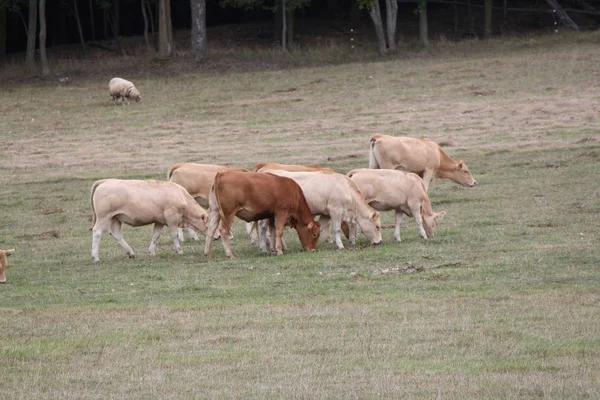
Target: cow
259, 167
139, 203
252, 196
335, 197
197, 179
421, 156
401, 191
3, 255
252, 228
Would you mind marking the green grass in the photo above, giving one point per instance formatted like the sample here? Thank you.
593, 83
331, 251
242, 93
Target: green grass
502, 303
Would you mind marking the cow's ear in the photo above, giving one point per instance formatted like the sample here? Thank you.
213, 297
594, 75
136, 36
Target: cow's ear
375, 215
204, 218
439, 215
460, 165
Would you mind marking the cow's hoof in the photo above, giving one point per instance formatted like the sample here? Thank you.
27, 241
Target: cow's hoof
2, 282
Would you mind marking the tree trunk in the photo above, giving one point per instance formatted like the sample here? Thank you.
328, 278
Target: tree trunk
145, 15
2, 34
284, 26
565, 20
92, 22
169, 25
31, 29
43, 56
423, 27
116, 18
290, 28
391, 18
164, 46
76, 12
151, 15
375, 14
198, 28
487, 19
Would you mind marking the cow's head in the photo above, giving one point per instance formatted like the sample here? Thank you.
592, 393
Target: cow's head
309, 235
463, 176
430, 222
371, 227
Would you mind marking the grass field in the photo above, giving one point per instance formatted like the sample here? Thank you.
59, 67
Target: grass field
503, 303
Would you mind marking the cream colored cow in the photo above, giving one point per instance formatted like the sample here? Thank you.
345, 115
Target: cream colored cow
421, 156
3, 263
334, 196
403, 192
138, 203
197, 179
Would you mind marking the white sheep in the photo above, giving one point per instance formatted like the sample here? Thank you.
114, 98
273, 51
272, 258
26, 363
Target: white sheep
123, 89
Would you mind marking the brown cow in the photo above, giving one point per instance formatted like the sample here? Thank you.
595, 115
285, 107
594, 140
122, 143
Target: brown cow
197, 179
3, 255
401, 191
252, 196
421, 156
139, 203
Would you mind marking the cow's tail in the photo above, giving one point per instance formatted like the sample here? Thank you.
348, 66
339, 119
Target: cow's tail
373, 163
94, 187
214, 195
172, 169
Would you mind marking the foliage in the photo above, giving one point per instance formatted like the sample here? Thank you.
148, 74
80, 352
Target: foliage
263, 4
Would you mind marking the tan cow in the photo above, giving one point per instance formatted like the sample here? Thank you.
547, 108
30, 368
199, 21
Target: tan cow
421, 156
401, 191
334, 196
252, 196
260, 167
3, 255
138, 203
197, 179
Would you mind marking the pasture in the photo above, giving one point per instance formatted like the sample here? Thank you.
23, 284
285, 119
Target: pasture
503, 303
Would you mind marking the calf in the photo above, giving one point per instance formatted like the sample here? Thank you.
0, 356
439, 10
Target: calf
253, 196
421, 156
138, 203
403, 192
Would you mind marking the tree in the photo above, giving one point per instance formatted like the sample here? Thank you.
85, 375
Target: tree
2, 33
165, 35
487, 19
43, 57
198, 28
75, 11
385, 37
423, 26
31, 30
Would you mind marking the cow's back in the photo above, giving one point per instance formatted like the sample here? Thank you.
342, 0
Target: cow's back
405, 153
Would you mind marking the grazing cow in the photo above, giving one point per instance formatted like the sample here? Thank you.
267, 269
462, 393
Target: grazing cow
401, 191
253, 196
252, 228
421, 156
197, 180
138, 203
3, 255
334, 196
260, 167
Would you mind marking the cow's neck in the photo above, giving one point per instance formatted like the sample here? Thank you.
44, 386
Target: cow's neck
447, 165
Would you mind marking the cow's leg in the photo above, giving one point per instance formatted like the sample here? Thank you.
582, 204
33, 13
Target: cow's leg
427, 176
252, 231
115, 231
336, 225
191, 233
213, 223
175, 236
155, 235
226, 234
416, 212
398, 222
261, 229
277, 234
99, 227
325, 222
352, 232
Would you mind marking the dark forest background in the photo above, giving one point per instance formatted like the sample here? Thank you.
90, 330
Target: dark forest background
102, 20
